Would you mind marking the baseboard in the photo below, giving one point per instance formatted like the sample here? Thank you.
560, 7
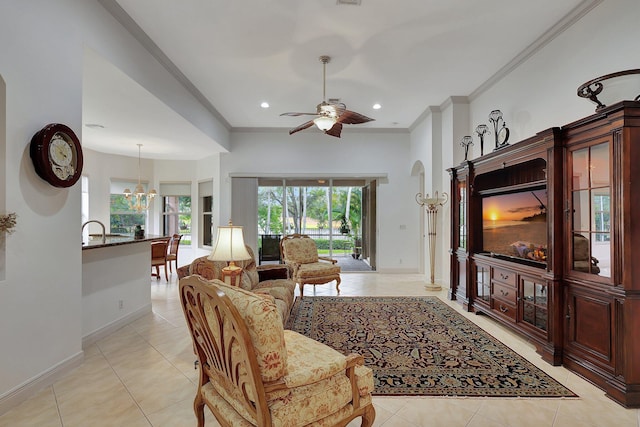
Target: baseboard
110, 328
28, 389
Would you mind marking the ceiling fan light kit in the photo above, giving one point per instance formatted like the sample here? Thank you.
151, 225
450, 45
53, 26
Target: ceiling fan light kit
330, 115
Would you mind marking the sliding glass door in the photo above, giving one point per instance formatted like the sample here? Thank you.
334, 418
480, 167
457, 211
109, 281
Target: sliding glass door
327, 210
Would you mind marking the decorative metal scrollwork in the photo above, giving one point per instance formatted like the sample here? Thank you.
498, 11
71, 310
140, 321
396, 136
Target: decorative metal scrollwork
593, 88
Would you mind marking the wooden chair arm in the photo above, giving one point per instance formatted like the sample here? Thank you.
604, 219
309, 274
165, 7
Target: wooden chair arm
354, 360
324, 258
294, 265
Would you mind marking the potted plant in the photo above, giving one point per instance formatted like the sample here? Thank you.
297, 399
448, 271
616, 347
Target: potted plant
356, 244
344, 225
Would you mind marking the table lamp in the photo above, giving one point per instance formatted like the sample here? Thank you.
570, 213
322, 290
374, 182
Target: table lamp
230, 248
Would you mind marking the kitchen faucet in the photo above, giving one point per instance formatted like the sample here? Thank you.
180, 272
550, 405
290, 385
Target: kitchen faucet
104, 234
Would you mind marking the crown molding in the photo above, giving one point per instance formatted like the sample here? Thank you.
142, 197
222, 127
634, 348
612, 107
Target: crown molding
429, 111
314, 129
558, 28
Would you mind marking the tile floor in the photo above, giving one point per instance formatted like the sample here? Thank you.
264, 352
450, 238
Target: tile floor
143, 375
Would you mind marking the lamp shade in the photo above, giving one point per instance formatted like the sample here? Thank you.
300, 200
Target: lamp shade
324, 123
229, 245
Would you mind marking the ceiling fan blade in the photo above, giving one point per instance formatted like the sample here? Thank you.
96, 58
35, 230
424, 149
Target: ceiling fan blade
353, 118
301, 127
294, 114
335, 130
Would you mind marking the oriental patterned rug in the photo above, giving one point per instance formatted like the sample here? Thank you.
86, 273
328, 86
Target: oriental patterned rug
421, 346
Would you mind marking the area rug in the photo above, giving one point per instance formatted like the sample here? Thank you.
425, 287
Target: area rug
421, 346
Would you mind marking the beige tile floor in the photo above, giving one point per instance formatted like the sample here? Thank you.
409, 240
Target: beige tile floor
143, 375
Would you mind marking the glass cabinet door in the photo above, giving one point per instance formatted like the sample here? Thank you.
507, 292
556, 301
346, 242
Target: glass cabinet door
483, 282
591, 210
534, 303
462, 226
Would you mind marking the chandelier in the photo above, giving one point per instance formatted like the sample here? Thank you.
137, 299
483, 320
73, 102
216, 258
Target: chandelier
139, 200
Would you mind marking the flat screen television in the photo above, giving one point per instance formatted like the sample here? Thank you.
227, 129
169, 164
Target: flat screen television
514, 225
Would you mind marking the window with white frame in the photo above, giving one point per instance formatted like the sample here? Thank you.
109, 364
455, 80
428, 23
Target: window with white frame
176, 210
205, 197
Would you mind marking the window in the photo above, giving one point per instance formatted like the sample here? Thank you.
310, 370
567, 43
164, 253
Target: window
176, 210
205, 194
207, 220
176, 217
328, 210
123, 219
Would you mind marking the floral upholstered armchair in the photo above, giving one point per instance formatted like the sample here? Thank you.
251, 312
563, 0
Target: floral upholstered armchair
273, 279
253, 372
301, 252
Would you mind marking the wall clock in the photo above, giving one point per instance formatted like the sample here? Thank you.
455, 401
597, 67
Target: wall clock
56, 154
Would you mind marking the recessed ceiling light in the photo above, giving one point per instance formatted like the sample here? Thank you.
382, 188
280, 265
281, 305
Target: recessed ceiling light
94, 126
377, 106
265, 105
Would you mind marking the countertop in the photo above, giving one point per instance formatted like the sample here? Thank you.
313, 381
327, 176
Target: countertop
95, 241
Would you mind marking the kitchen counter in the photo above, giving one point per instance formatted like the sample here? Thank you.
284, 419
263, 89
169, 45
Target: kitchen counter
116, 277
95, 240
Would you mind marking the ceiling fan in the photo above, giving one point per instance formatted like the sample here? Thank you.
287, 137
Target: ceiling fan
331, 115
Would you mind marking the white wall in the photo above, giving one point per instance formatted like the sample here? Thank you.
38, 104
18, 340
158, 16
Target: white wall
41, 61
358, 154
426, 134
40, 307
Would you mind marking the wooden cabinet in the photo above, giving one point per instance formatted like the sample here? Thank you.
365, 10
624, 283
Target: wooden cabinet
517, 296
460, 265
522, 291
575, 293
602, 267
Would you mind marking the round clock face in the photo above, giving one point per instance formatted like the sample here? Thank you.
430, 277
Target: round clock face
60, 150
503, 135
57, 155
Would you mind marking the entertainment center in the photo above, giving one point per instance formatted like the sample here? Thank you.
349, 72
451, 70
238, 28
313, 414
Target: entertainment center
542, 241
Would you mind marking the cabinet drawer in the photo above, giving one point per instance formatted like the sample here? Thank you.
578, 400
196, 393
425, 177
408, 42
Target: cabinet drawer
504, 308
504, 276
505, 293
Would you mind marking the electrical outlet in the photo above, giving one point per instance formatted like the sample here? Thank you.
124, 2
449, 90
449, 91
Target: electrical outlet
120, 304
